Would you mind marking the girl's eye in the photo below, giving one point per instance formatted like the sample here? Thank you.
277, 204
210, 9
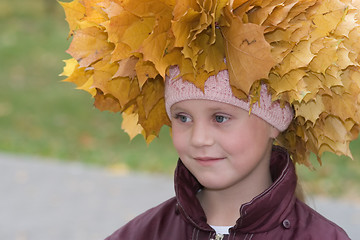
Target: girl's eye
182, 118
221, 119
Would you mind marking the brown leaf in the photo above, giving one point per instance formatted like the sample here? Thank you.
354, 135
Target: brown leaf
127, 68
157, 117
152, 92
106, 102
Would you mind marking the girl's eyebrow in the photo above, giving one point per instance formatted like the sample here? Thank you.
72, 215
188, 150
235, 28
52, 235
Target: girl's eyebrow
219, 109
178, 109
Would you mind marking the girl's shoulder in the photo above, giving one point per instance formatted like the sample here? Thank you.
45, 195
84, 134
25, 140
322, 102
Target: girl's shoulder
147, 222
312, 224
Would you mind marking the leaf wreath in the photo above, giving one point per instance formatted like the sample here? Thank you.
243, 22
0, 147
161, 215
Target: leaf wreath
307, 51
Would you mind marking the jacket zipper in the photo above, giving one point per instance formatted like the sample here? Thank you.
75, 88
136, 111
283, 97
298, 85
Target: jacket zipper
218, 236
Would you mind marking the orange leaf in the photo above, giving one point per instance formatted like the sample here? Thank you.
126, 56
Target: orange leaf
89, 45
144, 71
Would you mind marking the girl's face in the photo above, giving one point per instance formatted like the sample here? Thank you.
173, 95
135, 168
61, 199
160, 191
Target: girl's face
222, 145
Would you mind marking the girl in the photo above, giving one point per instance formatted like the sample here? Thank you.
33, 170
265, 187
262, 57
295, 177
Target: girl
230, 182
229, 77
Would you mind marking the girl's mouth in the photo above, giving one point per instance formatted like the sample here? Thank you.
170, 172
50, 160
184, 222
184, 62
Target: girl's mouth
206, 161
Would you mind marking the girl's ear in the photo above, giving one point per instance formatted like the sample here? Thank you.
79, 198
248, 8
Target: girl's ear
274, 132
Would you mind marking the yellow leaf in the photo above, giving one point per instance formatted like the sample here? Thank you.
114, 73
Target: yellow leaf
248, 55
88, 86
309, 86
183, 26
288, 82
122, 88
130, 123
119, 24
215, 55
300, 56
148, 138
324, 59
259, 16
111, 8
220, 5
70, 66
94, 13
81, 77
328, 16
311, 110
121, 51
149, 8
182, 7
74, 12
348, 23
344, 106
332, 77
198, 79
334, 129
157, 48
279, 14
344, 60
137, 32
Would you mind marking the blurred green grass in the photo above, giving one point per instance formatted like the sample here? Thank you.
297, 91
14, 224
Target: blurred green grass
42, 116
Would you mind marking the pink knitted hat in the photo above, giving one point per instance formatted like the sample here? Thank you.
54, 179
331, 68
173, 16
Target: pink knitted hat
217, 88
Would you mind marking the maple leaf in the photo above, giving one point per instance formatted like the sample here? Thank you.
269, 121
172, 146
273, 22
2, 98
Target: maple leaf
156, 118
246, 46
300, 56
106, 102
126, 68
80, 76
70, 66
325, 57
89, 45
94, 14
150, 94
146, 70
328, 16
130, 123
74, 12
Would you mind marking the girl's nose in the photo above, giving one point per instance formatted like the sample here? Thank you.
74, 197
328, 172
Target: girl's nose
201, 135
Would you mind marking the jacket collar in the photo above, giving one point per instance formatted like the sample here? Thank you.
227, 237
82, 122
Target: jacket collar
262, 213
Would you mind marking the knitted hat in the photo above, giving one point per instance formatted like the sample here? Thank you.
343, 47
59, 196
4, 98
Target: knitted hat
217, 88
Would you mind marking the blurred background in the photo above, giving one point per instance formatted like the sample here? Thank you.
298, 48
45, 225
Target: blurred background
44, 117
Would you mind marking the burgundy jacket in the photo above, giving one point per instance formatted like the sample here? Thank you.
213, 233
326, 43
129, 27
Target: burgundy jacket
274, 214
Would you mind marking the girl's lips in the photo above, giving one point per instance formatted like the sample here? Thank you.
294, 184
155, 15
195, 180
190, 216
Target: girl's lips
207, 160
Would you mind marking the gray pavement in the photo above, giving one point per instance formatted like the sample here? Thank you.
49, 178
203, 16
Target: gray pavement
50, 200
